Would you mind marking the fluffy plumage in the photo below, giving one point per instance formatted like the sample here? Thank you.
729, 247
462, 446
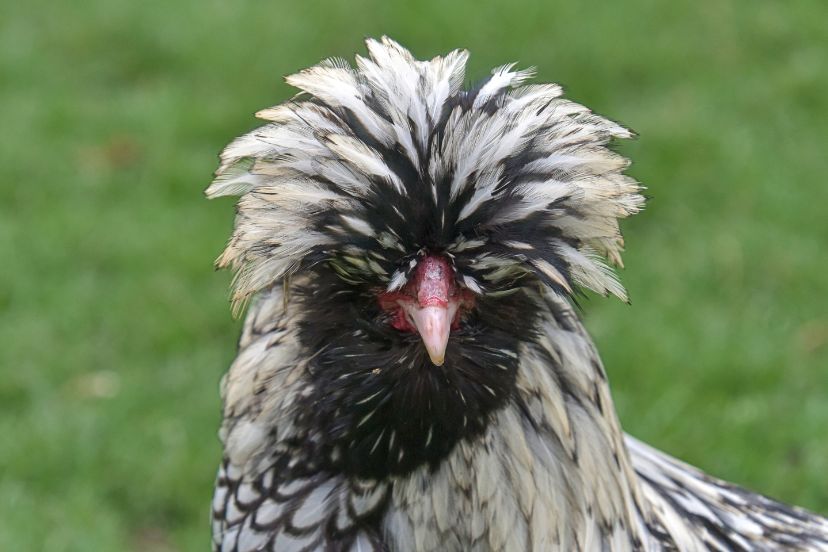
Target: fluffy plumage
339, 432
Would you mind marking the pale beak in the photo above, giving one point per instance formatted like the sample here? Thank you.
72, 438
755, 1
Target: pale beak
434, 325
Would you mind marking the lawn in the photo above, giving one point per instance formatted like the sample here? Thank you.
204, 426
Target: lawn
114, 329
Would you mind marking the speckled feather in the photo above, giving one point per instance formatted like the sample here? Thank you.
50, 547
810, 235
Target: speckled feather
338, 433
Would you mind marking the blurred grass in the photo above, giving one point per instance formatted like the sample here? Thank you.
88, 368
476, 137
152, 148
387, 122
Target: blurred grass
114, 330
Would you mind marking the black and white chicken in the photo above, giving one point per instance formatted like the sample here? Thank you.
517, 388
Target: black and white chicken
411, 374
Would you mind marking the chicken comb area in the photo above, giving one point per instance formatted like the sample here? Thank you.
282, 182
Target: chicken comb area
373, 163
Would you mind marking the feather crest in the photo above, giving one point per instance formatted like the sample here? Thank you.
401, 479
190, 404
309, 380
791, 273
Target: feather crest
396, 152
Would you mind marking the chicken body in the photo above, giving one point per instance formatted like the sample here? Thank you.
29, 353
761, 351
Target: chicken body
341, 431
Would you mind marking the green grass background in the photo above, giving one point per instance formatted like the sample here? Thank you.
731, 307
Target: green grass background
114, 329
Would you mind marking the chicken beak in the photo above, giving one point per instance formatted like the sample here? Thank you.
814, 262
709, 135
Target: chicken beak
434, 325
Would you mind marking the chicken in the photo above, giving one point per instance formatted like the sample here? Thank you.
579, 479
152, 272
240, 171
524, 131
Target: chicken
411, 373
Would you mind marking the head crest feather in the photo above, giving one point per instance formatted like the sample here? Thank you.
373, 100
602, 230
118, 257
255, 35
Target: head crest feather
380, 161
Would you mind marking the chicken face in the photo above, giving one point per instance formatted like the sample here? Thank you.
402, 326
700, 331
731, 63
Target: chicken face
431, 304
400, 377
